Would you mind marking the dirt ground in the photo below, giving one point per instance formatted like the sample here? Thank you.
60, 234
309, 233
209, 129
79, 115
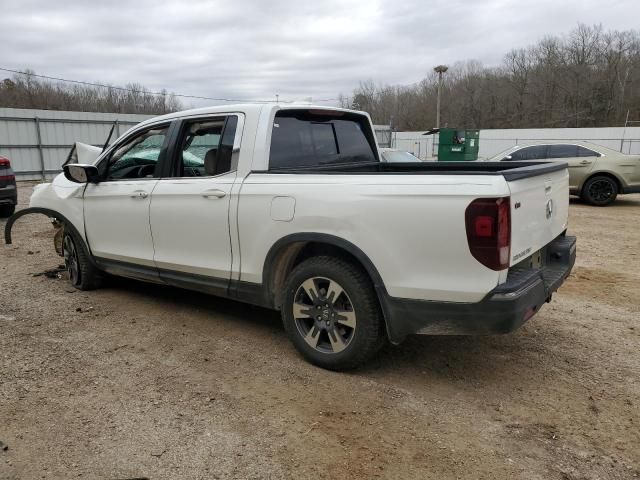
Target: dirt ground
143, 381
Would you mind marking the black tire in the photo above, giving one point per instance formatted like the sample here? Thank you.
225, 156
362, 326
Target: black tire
347, 328
600, 191
83, 275
7, 210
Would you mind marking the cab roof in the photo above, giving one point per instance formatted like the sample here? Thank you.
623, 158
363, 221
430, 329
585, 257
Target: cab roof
247, 108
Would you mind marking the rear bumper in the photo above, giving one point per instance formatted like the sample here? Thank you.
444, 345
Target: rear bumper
8, 195
503, 310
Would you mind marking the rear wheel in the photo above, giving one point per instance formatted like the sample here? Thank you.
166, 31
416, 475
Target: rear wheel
7, 210
600, 191
331, 313
82, 274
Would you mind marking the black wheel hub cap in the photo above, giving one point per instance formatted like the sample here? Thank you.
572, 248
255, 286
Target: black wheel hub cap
601, 190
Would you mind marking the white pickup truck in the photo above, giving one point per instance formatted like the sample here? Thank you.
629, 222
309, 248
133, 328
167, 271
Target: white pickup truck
289, 207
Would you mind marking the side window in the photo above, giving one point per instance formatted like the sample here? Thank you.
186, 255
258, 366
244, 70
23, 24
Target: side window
307, 138
585, 152
206, 147
562, 151
137, 158
535, 152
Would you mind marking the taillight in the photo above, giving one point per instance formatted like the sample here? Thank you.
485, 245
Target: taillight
4, 162
488, 223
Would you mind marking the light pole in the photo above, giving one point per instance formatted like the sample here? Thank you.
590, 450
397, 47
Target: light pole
440, 69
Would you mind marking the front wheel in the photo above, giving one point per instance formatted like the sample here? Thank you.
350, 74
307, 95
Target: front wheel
82, 274
331, 313
600, 191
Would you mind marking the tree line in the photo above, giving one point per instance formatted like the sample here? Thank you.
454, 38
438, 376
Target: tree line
28, 91
587, 78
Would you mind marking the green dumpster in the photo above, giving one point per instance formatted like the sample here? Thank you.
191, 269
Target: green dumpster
458, 145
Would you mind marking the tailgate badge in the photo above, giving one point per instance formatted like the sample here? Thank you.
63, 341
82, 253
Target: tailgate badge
549, 208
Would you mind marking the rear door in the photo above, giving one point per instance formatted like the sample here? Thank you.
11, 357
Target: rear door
116, 210
190, 207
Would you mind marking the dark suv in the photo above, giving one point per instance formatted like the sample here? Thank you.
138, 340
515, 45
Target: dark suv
8, 189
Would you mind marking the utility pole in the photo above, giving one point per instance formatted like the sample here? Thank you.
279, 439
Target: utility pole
624, 130
440, 69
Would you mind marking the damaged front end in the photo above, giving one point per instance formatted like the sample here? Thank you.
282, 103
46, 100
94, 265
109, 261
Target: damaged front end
58, 236
61, 201
58, 225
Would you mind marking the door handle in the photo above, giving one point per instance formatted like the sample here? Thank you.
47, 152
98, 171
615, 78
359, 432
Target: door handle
585, 162
139, 194
214, 193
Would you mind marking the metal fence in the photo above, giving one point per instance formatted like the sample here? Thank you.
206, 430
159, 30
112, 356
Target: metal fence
493, 142
38, 141
384, 135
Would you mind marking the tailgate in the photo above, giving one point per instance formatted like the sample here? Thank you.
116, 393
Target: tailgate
539, 211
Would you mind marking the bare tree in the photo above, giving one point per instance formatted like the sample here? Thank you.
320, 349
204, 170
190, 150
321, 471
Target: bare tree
587, 78
28, 91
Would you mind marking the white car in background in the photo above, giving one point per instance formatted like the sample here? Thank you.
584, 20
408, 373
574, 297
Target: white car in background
391, 155
596, 174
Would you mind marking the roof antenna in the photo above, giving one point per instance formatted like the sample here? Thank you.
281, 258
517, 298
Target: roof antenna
277, 98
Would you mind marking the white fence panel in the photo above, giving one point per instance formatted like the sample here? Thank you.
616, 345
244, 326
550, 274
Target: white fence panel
37, 141
493, 142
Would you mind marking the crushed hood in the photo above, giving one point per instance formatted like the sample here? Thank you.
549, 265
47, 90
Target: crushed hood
84, 153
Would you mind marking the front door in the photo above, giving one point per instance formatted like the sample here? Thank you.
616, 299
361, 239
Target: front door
580, 160
190, 211
116, 210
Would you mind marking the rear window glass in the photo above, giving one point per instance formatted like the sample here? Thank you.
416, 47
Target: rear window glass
302, 138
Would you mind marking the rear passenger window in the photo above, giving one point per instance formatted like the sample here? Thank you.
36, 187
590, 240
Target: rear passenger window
535, 152
304, 138
585, 152
562, 151
207, 147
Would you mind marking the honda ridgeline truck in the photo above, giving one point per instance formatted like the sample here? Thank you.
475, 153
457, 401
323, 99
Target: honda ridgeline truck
289, 207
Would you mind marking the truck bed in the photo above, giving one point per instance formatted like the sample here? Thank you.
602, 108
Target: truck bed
509, 170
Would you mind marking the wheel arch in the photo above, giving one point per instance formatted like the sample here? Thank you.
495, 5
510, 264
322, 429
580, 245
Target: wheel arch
68, 224
292, 249
603, 173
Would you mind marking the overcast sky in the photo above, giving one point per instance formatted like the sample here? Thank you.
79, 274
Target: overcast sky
249, 49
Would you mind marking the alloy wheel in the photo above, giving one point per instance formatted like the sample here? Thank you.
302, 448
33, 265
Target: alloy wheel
601, 190
71, 260
324, 315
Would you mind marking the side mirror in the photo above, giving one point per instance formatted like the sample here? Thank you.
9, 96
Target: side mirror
79, 173
508, 157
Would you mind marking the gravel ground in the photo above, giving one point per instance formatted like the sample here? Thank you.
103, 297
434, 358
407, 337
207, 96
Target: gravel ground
137, 380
